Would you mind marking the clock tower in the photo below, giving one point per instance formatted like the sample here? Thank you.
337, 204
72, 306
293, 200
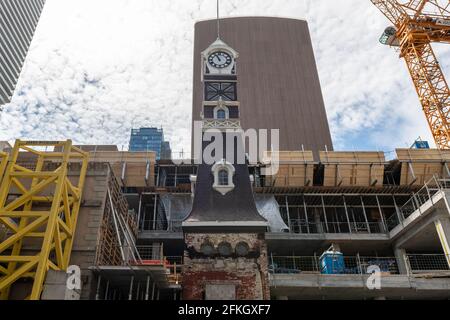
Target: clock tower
219, 77
226, 254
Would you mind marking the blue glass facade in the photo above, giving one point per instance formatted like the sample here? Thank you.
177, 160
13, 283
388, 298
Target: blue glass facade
149, 139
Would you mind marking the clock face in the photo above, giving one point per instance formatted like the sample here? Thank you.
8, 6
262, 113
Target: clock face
219, 59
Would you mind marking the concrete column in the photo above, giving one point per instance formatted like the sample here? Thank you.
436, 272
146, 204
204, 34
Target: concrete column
402, 261
443, 230
147, 288
97, 293
318, 222
130, 292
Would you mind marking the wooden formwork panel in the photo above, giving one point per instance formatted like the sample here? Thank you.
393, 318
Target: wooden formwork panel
422, 154
134, 174
420, 165
291, 156
353, 168
122, 156
420, 173
292, 176
296, 169
130, 168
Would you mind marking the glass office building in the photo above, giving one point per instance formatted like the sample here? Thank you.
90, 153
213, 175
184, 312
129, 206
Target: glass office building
18, 21
150, 139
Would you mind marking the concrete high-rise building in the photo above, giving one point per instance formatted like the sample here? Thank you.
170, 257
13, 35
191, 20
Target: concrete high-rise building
150, 139
18, 21
278, 82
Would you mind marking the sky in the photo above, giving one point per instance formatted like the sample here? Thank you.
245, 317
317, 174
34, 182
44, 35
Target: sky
97, 68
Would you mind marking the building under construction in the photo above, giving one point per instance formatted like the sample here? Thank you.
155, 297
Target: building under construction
147, 229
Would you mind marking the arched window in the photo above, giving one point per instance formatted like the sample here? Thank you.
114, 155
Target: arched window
223, 172
221, 114
223, 177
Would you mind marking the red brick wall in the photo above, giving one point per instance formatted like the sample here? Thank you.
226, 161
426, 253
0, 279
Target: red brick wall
248, 274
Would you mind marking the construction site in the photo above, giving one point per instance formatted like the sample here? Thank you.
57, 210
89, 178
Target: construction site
142, 228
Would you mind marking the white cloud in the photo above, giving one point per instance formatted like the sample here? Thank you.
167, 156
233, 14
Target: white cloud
98, 67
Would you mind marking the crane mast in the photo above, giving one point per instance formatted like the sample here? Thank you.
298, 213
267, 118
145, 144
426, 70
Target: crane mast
417, 24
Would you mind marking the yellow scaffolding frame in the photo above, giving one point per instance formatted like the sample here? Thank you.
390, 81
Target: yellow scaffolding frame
39, 206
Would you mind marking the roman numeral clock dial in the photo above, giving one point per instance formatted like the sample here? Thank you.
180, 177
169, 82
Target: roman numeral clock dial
219, 59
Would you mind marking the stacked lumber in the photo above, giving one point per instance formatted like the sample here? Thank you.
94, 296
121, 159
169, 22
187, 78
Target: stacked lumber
420, 165
296, 168
360, 169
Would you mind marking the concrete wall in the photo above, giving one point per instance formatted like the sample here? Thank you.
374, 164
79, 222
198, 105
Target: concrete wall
89, 223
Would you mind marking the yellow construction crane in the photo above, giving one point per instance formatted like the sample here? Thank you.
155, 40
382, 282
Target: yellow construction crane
418, 23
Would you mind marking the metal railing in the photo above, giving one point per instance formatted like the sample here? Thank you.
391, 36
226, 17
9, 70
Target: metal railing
173, 180
360, 264
175, 260
154, 255
128, 254
151, 252
427, 263
293, 264
336, 227
311, 264
422, 196
417, 200
392, 222
303, 227
162, 225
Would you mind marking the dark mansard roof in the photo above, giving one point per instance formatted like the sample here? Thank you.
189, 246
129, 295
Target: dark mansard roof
234, 212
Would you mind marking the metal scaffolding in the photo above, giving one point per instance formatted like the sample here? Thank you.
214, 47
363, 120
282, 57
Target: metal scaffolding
39, 205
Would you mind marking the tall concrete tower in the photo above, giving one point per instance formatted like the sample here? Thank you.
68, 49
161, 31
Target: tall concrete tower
18, 21
278, 82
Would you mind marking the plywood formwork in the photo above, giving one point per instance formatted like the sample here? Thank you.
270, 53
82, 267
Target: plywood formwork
353, 168
420, 165
133, 169
296, 169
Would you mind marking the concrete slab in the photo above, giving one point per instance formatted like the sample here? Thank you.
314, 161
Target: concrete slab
307, 286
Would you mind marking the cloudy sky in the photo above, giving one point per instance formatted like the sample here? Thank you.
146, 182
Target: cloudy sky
96, 68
